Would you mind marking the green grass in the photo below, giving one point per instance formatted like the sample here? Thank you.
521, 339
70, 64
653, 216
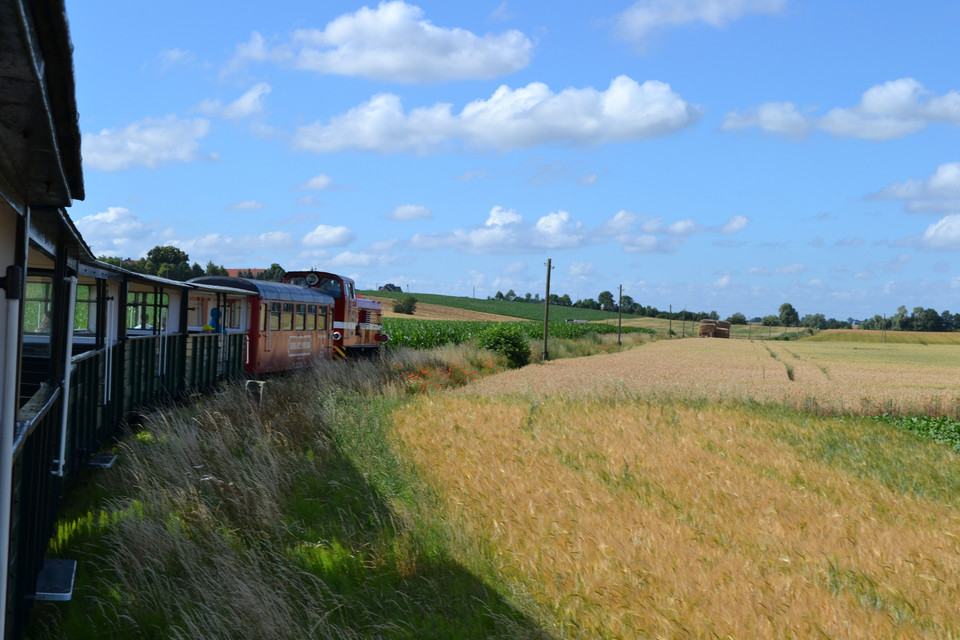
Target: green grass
295, 521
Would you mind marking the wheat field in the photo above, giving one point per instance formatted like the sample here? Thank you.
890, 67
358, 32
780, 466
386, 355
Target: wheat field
652, 502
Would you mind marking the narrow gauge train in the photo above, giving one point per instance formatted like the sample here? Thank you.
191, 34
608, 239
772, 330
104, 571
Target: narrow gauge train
85, 345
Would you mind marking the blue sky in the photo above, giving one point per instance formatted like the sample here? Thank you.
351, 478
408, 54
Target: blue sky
726, 155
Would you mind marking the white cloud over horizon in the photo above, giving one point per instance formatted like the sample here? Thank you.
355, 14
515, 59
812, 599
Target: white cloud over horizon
509, 119
885, 112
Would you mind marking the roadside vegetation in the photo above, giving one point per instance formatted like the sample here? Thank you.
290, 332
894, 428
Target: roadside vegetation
407, 497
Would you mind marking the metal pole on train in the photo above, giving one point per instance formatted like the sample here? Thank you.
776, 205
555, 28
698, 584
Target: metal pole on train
71, 311
13, 287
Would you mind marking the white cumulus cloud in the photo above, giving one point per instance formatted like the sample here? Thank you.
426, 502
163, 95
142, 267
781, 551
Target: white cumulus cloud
393, 42
327, 236
510, 119
940, 192
887, 111
249, 104
149, 142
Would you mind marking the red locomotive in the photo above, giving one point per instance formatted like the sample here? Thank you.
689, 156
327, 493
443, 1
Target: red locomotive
357, 321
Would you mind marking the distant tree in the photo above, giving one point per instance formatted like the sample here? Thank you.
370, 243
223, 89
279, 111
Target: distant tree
788, 315
770, 321
274, 273
528, 297
214, 270
245, 273
168, 262
605, 300
627, 305
814, 321
499, 296
588, 303
737, 318
566, 301
406, 304
510, 295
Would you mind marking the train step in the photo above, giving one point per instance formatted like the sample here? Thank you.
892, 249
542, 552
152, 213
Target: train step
55, 580
102, 460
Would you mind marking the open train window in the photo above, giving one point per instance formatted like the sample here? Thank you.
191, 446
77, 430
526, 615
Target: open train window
263, 316
311, 317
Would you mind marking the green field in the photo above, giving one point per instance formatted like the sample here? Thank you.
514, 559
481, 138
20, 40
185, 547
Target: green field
887, 337
523, 310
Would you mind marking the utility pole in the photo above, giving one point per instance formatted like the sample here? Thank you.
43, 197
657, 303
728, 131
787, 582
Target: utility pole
670, 315
546, 315
619, 315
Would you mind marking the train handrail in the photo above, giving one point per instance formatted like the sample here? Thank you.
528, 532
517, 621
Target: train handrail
42, 401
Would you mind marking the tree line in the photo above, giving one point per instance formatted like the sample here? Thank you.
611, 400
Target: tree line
174, 264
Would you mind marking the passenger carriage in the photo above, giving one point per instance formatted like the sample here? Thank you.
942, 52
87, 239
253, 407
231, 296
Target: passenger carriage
287, 327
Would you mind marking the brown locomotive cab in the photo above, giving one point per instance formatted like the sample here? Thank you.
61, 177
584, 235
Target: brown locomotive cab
357, 321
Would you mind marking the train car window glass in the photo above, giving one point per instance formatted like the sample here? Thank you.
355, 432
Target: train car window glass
274, 316
287, 316
299, 322
263, 316
85, 312
331, 287
311, 317
195, 311
350, 292
38, 316
322, 319
233, 315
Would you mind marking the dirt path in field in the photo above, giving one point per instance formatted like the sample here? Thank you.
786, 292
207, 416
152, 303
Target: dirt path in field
438, 312
840, 377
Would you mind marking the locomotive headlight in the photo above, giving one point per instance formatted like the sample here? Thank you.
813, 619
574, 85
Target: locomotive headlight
337, 335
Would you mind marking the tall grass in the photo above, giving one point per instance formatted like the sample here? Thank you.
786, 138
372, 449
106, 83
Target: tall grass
286, 517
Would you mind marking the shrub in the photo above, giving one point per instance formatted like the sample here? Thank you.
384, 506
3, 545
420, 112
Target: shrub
508, 341
407, 305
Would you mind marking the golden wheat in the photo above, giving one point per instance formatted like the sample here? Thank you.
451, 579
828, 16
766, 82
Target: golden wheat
634, 519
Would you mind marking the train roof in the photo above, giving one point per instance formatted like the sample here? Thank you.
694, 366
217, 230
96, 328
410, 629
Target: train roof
40, 135
266, 289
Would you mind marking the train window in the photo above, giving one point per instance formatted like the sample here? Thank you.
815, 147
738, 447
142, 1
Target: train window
263, 317
311, 317
38, 305
350, 292
322, 318
331, 287
146, 310
298, 320
231, 312
287, 316
274, 316
85, 313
